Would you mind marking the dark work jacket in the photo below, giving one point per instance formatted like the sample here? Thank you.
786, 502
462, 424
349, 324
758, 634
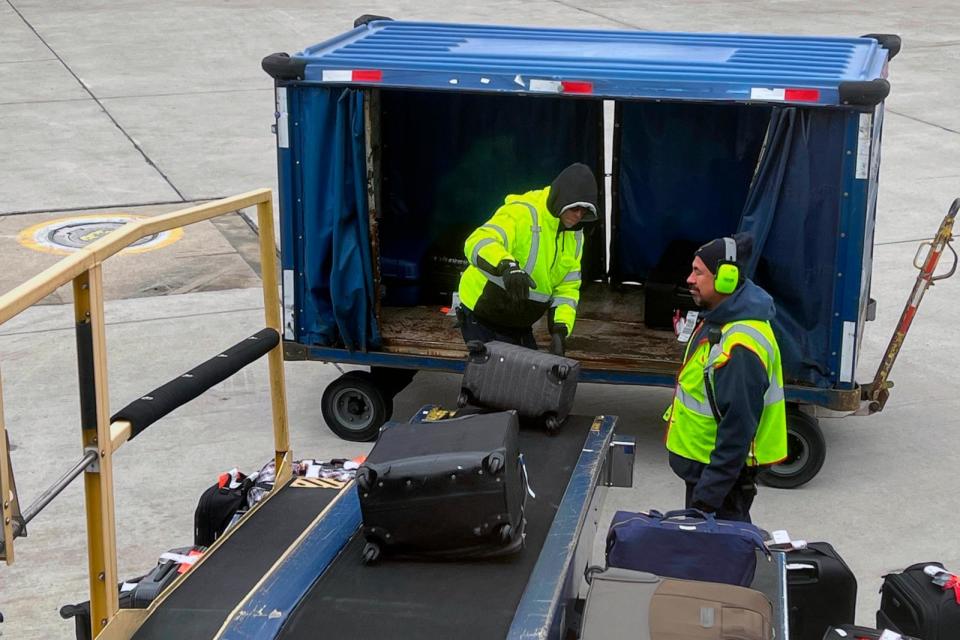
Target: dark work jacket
739, 386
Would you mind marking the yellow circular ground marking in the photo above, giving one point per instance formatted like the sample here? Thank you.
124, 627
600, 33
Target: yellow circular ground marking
64, 236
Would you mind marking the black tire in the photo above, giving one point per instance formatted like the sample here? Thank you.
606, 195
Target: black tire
806, 451
355, 407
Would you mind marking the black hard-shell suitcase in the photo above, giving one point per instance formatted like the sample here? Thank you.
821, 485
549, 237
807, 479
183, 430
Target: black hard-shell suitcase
851, 632
912, 604
534, 383
822, 591
448, 489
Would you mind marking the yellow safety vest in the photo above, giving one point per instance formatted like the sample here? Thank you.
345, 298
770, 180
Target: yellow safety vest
524, 230
692, 427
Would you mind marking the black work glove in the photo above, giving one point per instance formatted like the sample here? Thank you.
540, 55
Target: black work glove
558, 339
516, 281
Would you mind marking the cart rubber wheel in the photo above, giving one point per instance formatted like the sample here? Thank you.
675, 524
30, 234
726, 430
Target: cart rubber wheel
355, 407
371, 553
806, 451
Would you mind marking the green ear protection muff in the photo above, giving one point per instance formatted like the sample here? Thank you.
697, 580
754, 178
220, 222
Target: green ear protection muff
728, 273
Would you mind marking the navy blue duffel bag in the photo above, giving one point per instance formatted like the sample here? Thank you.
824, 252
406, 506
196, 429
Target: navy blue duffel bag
687, 544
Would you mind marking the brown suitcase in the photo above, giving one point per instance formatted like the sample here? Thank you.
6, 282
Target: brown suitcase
640, 606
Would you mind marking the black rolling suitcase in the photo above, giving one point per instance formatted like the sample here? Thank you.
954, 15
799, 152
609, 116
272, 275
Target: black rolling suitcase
450, 489
821, 590
536, 384
912, 603
851, 632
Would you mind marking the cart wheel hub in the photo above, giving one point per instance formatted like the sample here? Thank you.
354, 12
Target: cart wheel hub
353, 408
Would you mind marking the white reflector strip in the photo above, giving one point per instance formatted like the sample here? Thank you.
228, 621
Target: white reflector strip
337, 75
846, 355
759, 93
550, 86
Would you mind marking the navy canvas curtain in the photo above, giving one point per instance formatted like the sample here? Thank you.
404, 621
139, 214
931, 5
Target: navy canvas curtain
793, 212
337, 284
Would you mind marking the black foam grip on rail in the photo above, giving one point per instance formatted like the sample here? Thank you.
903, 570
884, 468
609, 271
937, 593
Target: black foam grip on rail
148, 409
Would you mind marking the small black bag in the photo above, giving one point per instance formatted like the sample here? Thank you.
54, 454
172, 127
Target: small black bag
822, 591
536, 384
450, 489
911, 603
137, 593
851, 632
216, 508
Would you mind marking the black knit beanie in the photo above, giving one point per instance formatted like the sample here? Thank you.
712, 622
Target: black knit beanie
715, 251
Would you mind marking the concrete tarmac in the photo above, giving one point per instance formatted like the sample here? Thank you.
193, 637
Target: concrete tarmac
125, 107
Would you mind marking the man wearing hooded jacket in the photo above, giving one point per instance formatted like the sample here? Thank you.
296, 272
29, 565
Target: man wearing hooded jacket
728, 418
525, 261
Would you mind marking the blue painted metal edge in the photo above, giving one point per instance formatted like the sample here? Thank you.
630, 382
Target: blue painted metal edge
801, 395
486, 80
539, 606
267, 608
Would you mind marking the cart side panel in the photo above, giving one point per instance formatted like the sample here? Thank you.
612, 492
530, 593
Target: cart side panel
869, 228
285, 180
853, 251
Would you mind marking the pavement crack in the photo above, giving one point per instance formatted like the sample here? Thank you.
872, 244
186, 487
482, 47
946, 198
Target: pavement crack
922, 121
123, 205
103, 108
108, 323
599, 15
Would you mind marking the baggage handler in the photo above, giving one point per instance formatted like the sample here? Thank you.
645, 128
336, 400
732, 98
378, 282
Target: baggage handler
525, 260
727, 419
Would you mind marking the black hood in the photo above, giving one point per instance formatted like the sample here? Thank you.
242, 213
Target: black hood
748, 302
576, 185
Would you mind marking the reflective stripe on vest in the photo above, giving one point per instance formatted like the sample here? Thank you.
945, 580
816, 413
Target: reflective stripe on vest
531, 262
692, 426
500, 230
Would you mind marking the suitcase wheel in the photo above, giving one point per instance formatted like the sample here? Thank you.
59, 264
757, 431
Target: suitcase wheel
552, 423
463, 399
371, 553
505, 533
561, 371
493, 463
366, 478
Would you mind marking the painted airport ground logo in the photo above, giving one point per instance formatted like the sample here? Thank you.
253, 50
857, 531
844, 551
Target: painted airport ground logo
64, 236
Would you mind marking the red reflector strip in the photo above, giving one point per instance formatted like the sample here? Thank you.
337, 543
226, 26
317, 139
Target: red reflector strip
576, 86
802, 95
366, 75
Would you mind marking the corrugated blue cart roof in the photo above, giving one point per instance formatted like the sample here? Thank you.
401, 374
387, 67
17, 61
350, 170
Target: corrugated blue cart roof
612, 64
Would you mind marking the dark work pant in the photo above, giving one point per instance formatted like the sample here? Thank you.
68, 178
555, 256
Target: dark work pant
473, 328
736, 505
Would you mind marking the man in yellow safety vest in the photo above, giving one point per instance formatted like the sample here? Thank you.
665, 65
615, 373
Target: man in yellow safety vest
727, 418
526, 260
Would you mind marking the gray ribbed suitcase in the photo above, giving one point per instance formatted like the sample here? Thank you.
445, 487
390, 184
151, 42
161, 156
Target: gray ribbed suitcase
536, 384
637, 605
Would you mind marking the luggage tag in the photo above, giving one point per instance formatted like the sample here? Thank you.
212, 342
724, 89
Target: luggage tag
526, 478
686, 326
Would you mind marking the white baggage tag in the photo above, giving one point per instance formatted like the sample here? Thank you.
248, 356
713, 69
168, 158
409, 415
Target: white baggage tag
687, 325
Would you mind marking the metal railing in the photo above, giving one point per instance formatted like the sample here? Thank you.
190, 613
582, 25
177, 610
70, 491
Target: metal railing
99, 437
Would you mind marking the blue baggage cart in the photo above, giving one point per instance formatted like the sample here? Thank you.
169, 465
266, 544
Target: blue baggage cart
396, 139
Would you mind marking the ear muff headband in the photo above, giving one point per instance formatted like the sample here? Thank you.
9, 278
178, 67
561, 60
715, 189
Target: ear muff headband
728, 273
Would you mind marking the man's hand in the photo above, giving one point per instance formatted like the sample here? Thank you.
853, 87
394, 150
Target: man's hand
516, 281
558, 339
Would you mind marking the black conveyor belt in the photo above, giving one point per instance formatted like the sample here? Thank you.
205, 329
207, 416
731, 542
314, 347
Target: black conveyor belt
198, 607
442, 600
